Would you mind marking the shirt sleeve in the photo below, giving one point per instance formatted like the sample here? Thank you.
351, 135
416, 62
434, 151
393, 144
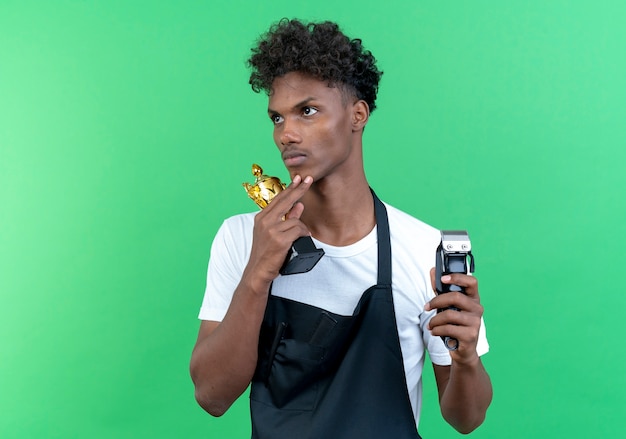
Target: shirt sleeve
227, 260
438, 352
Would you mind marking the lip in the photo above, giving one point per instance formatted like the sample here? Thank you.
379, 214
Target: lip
293, 158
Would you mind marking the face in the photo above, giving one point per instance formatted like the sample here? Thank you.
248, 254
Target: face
314, 126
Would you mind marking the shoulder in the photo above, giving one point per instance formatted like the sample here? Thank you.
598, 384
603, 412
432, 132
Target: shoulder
406, 227
413, 249
234, 233
237, 225
241, 221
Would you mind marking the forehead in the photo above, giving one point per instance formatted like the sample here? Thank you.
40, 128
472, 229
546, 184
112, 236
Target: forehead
294, 87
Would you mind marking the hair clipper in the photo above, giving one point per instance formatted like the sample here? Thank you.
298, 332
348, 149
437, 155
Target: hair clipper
452, 257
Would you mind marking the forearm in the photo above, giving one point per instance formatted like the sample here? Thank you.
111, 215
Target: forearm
467, 395
224, 360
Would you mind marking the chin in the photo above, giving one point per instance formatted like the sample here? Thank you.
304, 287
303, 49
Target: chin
299, 170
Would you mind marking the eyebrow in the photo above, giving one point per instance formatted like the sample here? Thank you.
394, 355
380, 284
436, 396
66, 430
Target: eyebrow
298, 105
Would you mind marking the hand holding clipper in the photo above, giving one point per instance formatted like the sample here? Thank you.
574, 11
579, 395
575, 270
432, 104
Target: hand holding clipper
451, 257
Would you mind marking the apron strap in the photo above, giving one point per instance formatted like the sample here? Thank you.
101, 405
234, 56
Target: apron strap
384, 242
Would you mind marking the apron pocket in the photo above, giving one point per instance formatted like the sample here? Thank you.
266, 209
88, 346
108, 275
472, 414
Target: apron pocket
294, 375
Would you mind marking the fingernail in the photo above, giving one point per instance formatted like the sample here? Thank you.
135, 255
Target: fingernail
296, 179
308, 179
427, 306
445, 278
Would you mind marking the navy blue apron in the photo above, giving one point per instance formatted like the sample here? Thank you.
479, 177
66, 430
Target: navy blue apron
324, 375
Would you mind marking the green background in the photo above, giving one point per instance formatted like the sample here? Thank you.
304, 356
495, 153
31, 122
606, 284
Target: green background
127, 128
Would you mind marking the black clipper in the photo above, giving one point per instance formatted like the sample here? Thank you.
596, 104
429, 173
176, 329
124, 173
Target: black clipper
452, 255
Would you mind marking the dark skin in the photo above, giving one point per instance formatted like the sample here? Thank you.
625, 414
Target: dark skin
318, 131
225, 355
465, 390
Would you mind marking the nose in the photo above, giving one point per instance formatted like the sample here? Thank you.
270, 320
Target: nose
289, 134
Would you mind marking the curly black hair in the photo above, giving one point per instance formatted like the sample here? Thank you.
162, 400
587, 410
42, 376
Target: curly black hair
317, 49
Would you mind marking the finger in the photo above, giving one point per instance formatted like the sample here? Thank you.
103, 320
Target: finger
460, 325
277, 237
467, 337
457, 300
466, 332
454, 317
459, 332
469, 283
290, 229
285, 200
298, 187
296, 211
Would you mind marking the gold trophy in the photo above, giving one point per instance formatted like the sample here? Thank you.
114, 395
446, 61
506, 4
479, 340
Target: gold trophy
303, 254
264, 188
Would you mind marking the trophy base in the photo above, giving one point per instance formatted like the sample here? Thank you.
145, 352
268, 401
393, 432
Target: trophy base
302, 257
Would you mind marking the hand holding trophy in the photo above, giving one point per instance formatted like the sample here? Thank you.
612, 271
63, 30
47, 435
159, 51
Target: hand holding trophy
303, 254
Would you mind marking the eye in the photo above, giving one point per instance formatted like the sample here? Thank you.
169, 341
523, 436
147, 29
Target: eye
309, 111
276, 118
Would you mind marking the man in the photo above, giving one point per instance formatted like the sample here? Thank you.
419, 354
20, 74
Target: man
338, 351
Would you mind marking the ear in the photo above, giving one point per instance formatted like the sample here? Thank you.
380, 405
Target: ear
360, 115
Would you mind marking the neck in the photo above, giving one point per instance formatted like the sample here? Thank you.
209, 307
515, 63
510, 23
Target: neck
339, 213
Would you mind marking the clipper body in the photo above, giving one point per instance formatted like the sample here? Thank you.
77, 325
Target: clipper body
453, 254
